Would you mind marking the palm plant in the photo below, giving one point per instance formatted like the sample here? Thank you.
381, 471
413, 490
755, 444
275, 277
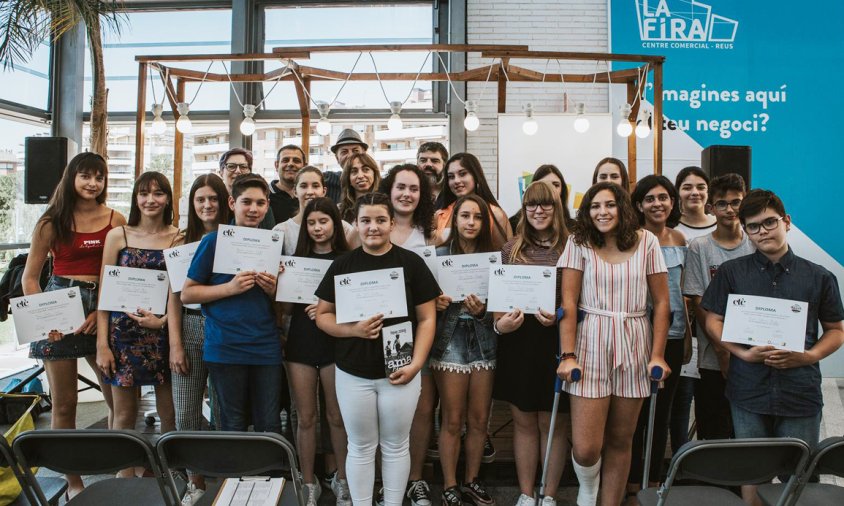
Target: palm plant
25, 23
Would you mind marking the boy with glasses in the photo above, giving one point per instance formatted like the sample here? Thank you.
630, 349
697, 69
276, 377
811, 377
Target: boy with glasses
775, 393
236, 162
705, 256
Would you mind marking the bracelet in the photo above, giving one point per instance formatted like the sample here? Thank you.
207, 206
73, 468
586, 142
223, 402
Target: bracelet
495, 327
567, 356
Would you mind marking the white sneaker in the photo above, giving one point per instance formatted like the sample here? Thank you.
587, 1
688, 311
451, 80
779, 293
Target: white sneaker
525, 500
340, 487
548, 501
312, 493
192, 495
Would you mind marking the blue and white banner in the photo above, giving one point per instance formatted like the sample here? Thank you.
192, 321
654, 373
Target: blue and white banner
757, 73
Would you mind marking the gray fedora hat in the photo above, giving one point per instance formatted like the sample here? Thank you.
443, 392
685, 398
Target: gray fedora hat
348, 136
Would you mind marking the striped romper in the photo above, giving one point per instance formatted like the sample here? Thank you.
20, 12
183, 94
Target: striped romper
613, 343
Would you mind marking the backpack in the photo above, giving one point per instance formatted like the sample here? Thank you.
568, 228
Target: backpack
11, 285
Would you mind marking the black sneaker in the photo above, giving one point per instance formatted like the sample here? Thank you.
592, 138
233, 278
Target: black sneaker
489, 451
452, 497
419, 493
477, 494
328, 479
379, 497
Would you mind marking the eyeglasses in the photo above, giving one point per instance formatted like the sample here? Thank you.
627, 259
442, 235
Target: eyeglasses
242, 167
767, 224
721, 205
546, 206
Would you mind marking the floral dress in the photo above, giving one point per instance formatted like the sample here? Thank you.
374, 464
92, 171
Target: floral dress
141, 355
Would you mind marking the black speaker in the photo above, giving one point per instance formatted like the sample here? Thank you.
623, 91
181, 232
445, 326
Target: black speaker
717, 160
44, 161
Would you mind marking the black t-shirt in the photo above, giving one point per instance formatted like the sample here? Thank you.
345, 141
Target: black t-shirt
283, 206
306, 343
365, 357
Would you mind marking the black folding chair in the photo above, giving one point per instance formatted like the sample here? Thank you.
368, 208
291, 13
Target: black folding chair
95, 451
53, 487
727, 462
828, 458
228, 454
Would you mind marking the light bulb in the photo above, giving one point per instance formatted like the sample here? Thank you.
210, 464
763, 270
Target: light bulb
184, 124
323, 126
529, 127
158, 126
394, 122
581, 122
247, 126
624, 128
643, 128
471, 123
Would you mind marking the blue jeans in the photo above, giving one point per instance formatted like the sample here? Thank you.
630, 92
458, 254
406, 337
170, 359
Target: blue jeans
248, 389
680, 412
748, 425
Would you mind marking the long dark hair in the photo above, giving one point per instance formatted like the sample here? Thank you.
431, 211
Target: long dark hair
304, 246
59, 211
145, 183
347, 192
471, 163
626, 234
423, 215
196, 229
483, 243
647, 184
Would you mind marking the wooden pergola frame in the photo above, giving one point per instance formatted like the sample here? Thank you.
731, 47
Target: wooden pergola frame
502, 71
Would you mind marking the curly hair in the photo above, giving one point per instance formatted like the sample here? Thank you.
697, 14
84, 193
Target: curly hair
423, 215
586, 234
347, 192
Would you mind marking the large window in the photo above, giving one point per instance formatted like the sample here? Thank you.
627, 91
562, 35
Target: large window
29, 82
158, 33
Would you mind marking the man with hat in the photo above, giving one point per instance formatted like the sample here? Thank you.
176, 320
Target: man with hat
348, 143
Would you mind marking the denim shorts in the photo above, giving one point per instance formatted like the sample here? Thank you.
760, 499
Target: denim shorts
465, 351
71, 346
747, 424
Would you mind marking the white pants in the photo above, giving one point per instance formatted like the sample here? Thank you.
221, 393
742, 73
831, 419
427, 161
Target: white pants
375, 411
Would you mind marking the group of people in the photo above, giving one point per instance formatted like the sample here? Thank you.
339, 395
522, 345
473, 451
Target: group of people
642, 270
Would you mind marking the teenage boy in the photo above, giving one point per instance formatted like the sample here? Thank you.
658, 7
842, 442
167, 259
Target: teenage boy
775, 393
706, 254
243, 353
237, 162
288, 162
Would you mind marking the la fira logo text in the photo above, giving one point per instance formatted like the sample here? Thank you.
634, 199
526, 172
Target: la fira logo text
683, 24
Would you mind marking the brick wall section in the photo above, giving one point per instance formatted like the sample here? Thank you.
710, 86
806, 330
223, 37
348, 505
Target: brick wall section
552, 25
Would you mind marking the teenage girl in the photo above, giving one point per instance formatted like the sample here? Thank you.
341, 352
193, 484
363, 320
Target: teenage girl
376, 407
528, 345
463, 360
208, 200
656, 204
611, 170
132, 348
692, 184
410, 193
610, 267
360, 176
465, 176
309, 352
73, 231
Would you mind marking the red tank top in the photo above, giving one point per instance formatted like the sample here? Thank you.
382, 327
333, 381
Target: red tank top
83, 255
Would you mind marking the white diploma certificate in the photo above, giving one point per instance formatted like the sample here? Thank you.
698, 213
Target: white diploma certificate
300, 279
127, 289
527, 287
361, 295
765, 321
247, 249
462, 275
178, 261
429, 255
37, 314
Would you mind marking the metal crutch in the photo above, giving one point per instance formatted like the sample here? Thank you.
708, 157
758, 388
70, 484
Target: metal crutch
558, 388
656, 376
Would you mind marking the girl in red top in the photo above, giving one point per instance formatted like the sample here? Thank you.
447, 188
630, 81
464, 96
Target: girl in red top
72, 230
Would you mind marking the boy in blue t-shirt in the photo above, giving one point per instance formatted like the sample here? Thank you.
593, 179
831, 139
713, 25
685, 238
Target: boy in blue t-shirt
242, 349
